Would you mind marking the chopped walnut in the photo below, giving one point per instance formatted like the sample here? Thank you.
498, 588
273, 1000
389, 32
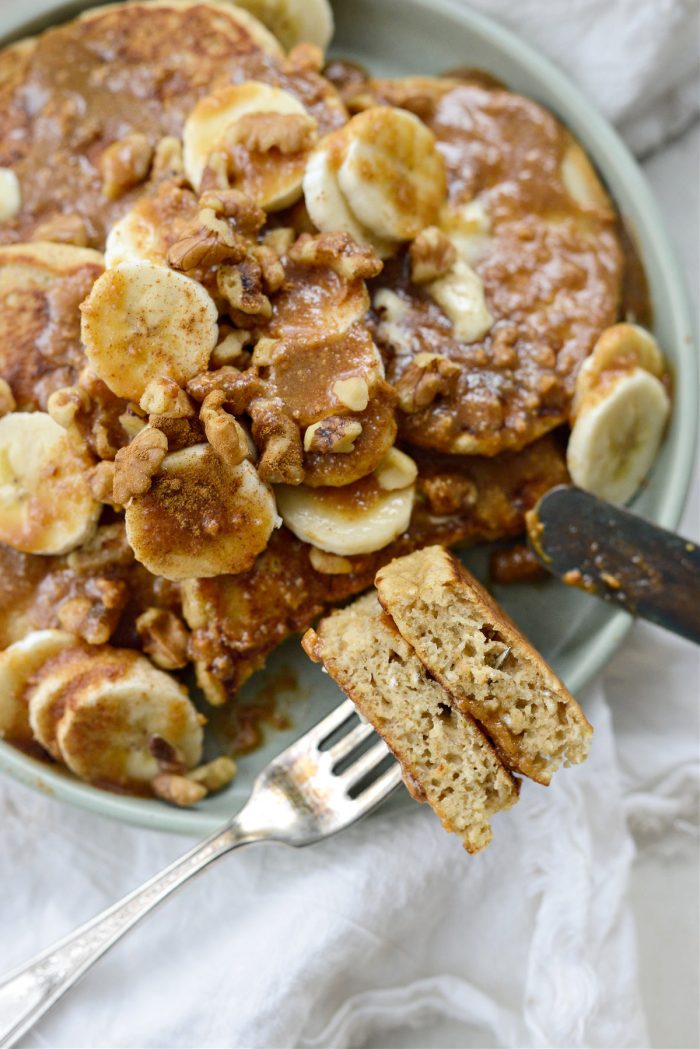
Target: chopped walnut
63, 405
136, 465
107, 549
287, 132
277, 435
124, 164
428, 375
240, 388
448, 493
209, 244
179, 433
280, 239
7, 400
131, 422
247, 217
94, 615
265, 351
272, 270
164, 638
63, 229
432, 255
305, 58
101, 481
336, 434
225, 435
241, 287
353, 393
231, 349
163, 396
178, 790
329, 564
167, 159
215, 774
339, 252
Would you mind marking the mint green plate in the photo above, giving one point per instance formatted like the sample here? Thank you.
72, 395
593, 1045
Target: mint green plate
575, 633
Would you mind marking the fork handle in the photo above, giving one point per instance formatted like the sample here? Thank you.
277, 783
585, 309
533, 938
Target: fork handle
27, 992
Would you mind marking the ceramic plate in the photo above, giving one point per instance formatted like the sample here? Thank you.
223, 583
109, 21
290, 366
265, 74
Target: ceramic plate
575, 633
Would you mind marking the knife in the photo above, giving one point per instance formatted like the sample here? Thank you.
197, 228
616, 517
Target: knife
619, 557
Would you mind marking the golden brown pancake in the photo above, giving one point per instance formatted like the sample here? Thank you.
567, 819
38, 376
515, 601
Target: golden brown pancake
41, 288
128, 69
551, 267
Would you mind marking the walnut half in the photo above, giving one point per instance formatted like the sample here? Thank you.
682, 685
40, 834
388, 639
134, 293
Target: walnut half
276, 433
164, 638
136, 465
428, 375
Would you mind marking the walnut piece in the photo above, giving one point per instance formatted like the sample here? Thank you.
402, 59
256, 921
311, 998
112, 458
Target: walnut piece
178, 790
169, 758
276, 434
432, 255
7, 400
265, 351
241, 287
63, 405
164, 637
272, 270
448, 493
428, 375
131, 422
231, 349
215, 774
339, 252
287, 132
124, 164
239, 387
94, 615
63, 229
163, 396
336, 434
225, 435
353, 393
210, 243
101, 481
280, 239
136, 465
247, 217
329, 564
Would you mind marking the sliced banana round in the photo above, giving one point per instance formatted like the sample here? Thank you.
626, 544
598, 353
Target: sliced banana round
392, 175
142, 321
617, 434
326, 204
228, 117
18, 665
619, 348
46, 506
294, 21
357, 519
104, 734
48, 695
201, 517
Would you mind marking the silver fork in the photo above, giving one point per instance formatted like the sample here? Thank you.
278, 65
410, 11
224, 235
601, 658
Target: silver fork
298, 799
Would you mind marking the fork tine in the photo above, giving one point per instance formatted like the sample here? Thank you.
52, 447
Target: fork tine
379, 789
349, 742
365, 763
323, 729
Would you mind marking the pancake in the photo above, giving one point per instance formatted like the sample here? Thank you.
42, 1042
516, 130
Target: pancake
540, 234
129, 70
41, 287
237, 621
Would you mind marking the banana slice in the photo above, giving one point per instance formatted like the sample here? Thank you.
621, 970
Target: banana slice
357, 519
97, 709
46, 506
18, 664
392, 175
582, 183
326, 204
619, 348
201, 517
142, 321
460, 294
469, 228
617, 435
227, 120
294, 21
155, 222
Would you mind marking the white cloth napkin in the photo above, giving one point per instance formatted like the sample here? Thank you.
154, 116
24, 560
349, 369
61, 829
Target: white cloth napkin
391, 926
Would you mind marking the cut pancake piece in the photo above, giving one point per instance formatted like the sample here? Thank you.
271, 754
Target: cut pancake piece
446, 759
468, 644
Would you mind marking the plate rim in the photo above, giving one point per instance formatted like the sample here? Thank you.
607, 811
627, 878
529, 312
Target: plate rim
598, 136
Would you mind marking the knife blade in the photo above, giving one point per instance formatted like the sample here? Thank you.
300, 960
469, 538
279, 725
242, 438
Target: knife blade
619, 557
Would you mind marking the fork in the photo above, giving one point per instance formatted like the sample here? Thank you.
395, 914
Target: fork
305, 794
